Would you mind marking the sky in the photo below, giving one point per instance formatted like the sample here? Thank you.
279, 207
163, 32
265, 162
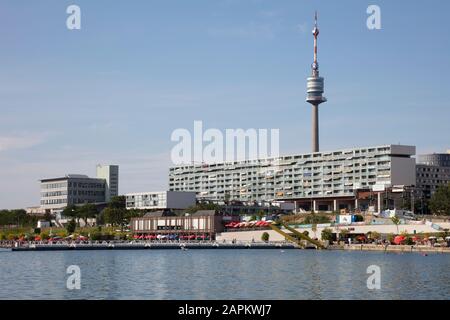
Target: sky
114, 91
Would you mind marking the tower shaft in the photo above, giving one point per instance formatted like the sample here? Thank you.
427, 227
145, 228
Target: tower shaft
315, 128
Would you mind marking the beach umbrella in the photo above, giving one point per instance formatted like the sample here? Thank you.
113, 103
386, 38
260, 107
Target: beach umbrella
399, 239
37, 238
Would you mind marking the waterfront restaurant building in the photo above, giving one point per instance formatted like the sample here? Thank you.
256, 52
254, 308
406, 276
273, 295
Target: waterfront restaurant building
202, 223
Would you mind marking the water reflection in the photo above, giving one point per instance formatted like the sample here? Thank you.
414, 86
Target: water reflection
223, 274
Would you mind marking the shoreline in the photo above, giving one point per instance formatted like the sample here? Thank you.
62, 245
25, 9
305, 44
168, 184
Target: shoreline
152, 246
391, 248
221, 246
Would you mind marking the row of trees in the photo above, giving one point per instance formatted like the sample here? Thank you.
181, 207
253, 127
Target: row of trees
114, 214
440, 201
18, 218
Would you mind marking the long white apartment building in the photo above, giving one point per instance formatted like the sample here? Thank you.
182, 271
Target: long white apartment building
322, 181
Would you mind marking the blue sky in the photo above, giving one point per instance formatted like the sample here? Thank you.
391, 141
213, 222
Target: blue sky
114, 91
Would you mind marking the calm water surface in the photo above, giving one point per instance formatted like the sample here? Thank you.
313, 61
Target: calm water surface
223, 274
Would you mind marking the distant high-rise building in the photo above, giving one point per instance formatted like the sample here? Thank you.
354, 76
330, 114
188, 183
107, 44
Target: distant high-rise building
111, 174
433, 171
435, 159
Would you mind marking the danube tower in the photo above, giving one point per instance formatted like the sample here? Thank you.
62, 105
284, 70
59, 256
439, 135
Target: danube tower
315, 91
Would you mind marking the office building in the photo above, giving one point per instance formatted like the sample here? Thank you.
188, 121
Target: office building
77, 189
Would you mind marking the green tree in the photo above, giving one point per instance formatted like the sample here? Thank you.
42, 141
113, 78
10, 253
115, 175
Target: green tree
48, 217
114, 216
265, 237
440, 201
117, 202
327, 234
87, 211
71, 226
17, 217
203, 206
343, 233
70, 211
396, 221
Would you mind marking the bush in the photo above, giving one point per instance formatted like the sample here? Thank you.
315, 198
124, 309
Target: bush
316, 219
62, 234
11, 236
390, 237
71, 226
265, 237
375, 235
2, 236
44, 235
327, 234
96, 236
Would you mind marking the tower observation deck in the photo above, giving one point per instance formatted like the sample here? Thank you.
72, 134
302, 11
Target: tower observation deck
315, 89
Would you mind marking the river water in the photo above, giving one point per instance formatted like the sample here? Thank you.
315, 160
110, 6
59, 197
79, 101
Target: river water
223, 274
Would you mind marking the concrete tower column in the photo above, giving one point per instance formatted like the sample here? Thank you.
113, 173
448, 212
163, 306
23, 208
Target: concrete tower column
315, 128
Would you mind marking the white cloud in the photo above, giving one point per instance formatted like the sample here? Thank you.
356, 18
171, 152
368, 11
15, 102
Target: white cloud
20, 142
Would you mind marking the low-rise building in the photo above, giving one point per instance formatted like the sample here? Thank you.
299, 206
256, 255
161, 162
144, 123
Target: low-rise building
160, 200
35, 211
203, 222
